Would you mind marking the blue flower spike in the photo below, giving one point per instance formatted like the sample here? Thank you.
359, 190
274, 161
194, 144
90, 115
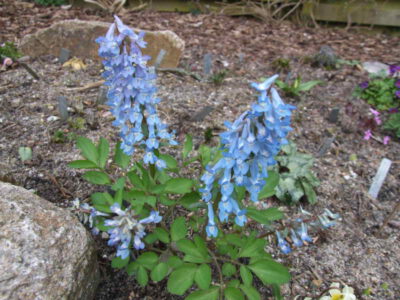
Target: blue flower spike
248, 147
132, 90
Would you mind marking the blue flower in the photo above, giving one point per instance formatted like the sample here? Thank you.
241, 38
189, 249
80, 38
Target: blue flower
296, 241
302, 232
125, 228
282, 244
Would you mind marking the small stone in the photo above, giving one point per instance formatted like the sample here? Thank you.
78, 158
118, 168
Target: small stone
376, 68
65, 54
326, 57
200, 115
326, 145
52, 118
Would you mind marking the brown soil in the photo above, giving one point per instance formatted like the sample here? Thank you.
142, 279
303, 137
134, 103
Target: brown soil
351, 252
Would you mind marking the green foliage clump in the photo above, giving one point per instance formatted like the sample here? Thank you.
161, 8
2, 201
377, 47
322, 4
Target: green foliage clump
177, 250
296, 178
393, 124
51, 2
296, 88
8, 49
218, 77
281, 65
379, 92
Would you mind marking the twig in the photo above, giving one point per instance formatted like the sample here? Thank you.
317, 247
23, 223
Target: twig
88, 86
63, 191
389, 217
29, 70
180, 71
221, 280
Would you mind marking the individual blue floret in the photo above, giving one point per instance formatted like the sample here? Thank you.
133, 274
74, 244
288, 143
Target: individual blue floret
303, 233
282, 244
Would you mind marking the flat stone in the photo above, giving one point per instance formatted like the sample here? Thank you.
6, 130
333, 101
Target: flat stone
45, 252
79, 37
376, 68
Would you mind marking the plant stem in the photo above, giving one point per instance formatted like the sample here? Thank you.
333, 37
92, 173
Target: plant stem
221, 281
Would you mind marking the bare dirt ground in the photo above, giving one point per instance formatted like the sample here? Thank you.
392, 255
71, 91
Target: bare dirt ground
351, 252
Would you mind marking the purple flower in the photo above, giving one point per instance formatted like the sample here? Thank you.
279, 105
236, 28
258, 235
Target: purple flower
364, 84
397, 84
393, 110
394, 69
386, 140
367, 134
397, 94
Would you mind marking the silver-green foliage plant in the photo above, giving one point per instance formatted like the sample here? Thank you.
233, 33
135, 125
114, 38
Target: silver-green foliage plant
296, 178
163, 223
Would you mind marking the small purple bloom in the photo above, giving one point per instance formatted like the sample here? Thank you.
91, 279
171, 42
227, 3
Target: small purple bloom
397, 94
386, 140
364, 84
367, 134
393, 69
397, 84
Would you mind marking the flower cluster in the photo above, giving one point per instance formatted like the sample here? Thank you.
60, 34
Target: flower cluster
132, 89
123, 225
248, 147
300, 235
378, 121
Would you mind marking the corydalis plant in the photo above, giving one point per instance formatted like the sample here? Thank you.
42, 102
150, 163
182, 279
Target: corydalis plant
131, 94
248, 148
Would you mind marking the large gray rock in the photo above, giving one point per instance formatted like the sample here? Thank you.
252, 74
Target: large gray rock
45, 253
79, 37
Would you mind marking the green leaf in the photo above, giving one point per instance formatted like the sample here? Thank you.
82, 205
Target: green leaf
25, 153
82, 164
234, 239
135, 180
162, 235
178, 229
102, 201
306, 86
250, 292
151, 200
178, 186
210, 294
228, 269
265, 216
119, 184
232, 293
148, 260
205, 153
142, 276
159, 272
132, 268
193, 254
181, 279
276, 291
88, 149
174, 262
309, 192
233, 283
246, 275
169, 160
191, 201
268, 189
202, 276
270, 272
252, 248
103, 150
96, 177
120, 158
188, 146
119, 263
150, 238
